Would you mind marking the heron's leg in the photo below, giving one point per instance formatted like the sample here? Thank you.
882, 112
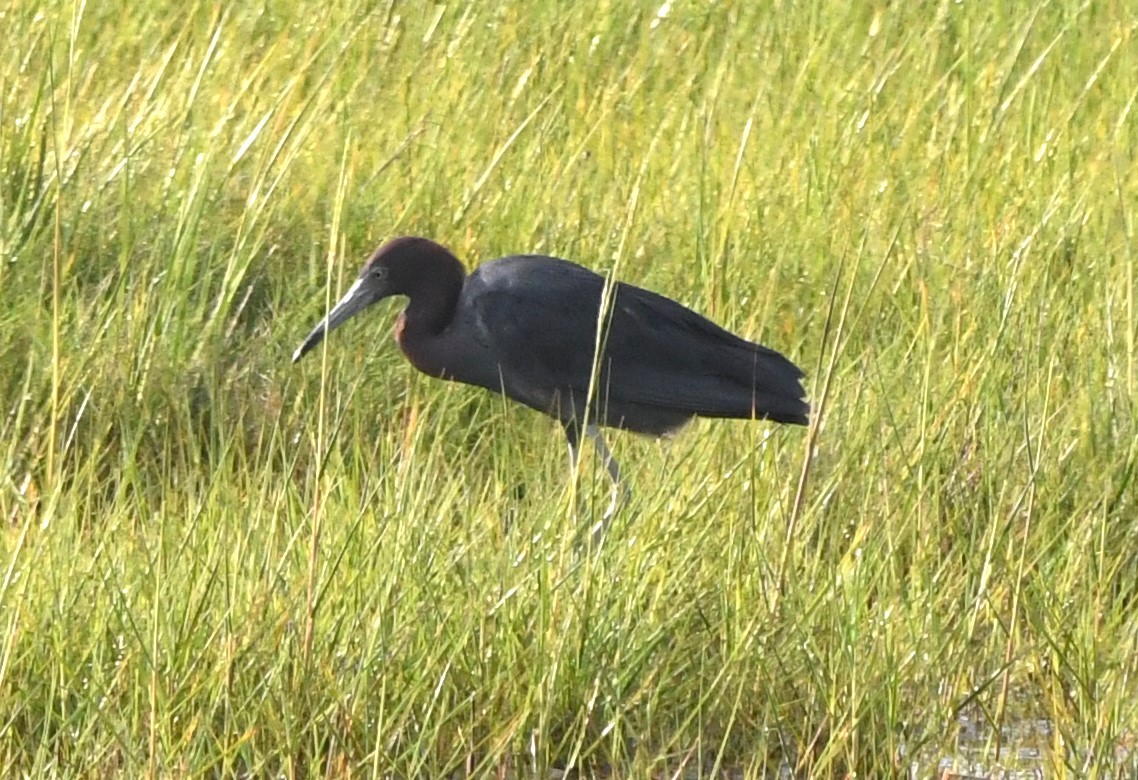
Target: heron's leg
573, 437
620, 489
594, 433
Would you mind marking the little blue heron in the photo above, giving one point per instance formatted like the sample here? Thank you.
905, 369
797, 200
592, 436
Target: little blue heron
526, 326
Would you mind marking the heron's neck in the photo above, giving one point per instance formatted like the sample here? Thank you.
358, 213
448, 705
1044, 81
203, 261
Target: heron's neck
431, 307
421, 335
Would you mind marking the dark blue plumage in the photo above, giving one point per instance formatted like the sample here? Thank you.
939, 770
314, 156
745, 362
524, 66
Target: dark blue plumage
526, 326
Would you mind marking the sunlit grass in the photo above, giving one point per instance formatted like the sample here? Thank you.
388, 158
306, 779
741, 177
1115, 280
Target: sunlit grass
219, 564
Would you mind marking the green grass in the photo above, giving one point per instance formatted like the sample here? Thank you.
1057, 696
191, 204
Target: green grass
215, 563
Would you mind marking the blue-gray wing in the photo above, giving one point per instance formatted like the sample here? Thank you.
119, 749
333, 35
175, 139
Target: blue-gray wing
539, 315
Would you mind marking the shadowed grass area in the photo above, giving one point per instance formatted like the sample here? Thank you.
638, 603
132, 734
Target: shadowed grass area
218, 564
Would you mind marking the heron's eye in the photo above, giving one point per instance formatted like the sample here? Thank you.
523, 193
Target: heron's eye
379, 272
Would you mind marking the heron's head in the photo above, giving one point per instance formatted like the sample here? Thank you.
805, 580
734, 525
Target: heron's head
402, 266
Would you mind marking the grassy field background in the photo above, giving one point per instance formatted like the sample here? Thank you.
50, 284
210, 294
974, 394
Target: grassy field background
217, 564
